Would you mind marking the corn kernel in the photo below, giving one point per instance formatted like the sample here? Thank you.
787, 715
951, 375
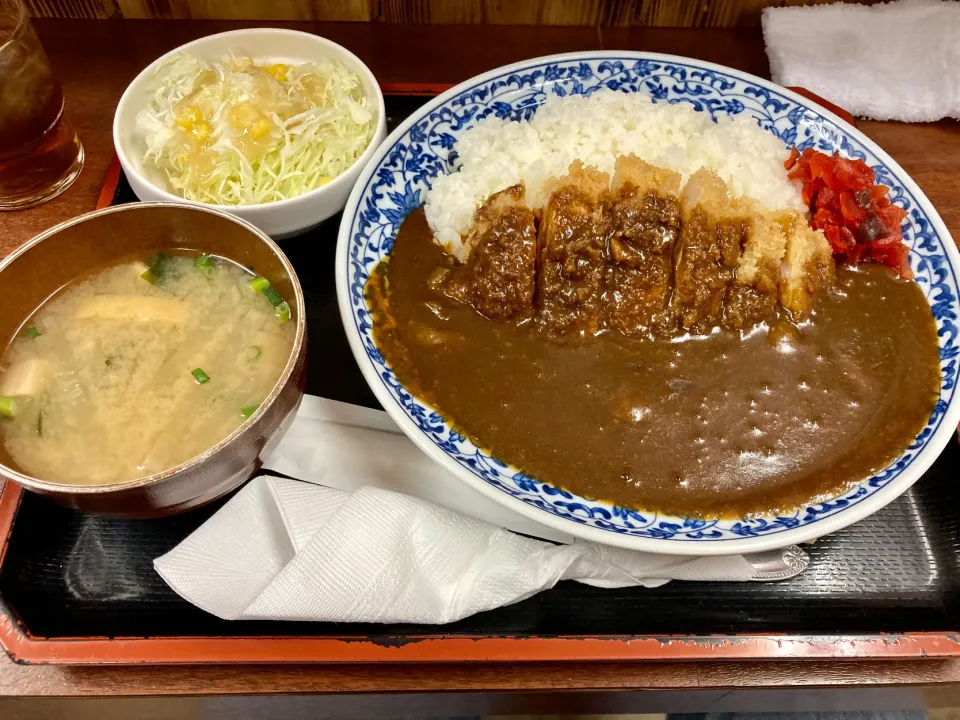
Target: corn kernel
279, 71
188, 117
260, 127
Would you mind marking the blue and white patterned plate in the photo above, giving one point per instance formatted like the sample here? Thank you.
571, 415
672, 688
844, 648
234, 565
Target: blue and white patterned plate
394, 183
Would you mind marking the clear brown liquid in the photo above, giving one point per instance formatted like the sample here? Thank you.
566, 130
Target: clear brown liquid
40, 153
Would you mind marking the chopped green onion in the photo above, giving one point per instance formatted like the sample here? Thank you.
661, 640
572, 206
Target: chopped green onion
156, 268
273, 296
158, 261
262, 286
249, 410
259, 284
253, 353
200, 376
204, 263
8, 406
40, 423
33, 332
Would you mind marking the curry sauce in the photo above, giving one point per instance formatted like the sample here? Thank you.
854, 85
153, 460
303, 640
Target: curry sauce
726, 424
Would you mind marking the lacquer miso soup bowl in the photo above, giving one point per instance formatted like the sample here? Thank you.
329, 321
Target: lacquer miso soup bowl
78, 247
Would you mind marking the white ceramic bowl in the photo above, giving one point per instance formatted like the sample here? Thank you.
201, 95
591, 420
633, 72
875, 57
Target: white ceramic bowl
282, 218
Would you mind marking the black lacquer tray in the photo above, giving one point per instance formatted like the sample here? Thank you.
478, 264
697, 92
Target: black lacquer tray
81, 589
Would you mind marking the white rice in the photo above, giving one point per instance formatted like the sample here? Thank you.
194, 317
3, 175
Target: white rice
496, 154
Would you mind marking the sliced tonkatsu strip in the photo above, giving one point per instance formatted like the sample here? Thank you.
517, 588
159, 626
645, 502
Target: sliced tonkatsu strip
644, 225
498, 277
573, 239
752, 296
808, 266
706, 254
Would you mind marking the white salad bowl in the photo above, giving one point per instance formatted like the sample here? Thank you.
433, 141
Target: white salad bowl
282, 218
405, 166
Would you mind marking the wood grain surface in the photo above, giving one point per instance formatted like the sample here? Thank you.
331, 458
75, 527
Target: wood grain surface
95, 61
652, 13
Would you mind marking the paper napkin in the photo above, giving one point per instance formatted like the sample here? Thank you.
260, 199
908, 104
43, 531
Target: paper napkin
284, 549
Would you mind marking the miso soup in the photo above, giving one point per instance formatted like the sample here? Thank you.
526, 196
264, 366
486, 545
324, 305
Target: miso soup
141, 367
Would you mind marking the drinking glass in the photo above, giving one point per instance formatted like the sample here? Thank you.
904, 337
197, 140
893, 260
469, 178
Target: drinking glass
40, 154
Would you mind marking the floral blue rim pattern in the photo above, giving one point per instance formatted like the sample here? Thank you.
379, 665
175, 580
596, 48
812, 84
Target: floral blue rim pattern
424, 149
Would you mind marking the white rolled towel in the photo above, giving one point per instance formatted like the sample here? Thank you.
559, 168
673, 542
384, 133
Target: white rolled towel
889, 61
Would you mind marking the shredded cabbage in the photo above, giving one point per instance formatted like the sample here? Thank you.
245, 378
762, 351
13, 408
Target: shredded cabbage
236, 133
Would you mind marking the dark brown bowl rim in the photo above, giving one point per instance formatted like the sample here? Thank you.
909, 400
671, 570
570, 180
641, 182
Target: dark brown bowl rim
72, 489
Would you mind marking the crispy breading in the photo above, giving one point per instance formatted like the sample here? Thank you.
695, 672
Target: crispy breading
808, 266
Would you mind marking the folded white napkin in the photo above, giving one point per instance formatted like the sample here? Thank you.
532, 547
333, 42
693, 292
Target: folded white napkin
288, 550
347, 447
890, 61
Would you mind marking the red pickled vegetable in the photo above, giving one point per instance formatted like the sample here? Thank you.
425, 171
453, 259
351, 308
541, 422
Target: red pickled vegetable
853, 174
856, 216
850, 209
823, 218
879, 192
826, 198
832, 233
821, 168
854, 256
891, 216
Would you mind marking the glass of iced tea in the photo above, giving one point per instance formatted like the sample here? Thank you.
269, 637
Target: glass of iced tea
40, 154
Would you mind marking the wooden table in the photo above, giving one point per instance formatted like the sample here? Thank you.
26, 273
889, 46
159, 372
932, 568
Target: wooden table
95, 60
